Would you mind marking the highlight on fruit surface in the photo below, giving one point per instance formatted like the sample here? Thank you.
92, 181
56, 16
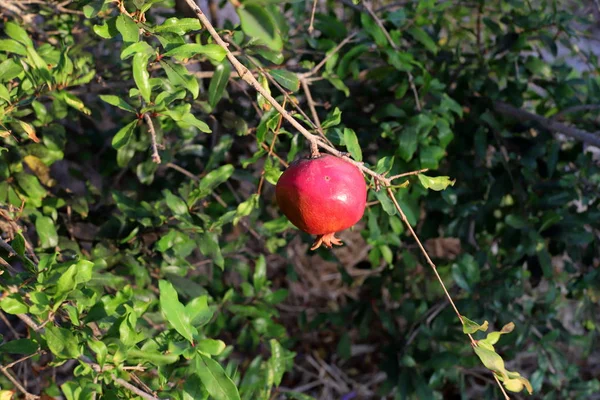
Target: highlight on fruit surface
321, 196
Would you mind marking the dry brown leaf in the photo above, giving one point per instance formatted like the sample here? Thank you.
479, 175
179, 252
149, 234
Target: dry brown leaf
443, 248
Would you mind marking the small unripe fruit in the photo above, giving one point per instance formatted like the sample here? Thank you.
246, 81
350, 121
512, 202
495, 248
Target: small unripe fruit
322, 196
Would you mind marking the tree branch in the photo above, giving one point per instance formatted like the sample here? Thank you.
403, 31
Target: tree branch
251, 80
553, 126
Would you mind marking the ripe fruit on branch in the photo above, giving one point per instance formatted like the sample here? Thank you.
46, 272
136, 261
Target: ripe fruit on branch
321, 196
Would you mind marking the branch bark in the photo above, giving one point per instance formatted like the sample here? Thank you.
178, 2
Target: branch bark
551, 125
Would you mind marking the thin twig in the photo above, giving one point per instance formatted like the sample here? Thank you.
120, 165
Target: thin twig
311, 105
20, 388
409, 173
501, 387
251, 80
312, 18
155, 155
551, 125
439, 278
133, 389
411, 79
330, 54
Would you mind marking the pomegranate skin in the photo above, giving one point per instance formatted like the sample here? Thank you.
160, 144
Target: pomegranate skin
322, 196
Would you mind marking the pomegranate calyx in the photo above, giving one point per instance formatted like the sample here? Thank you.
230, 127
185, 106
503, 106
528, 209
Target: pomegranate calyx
327, 240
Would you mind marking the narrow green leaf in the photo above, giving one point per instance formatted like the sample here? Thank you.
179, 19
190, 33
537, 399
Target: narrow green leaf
258, 23
351, 141
423, 37
46, 231
19, 346
213, 51
141, 75
152, 357
14, 31
134, 48
211, 347
287, 79
218, 83
408, 143
174, 311
260, 273
175, 203
12, 46
215, 380
179, 26
117, 102
13, 305
198, 311
180, 76
124, 135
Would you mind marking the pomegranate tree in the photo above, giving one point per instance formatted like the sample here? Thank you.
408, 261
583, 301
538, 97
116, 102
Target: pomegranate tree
322, 195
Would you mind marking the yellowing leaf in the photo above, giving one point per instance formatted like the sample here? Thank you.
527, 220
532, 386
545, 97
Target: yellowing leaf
472, 326
6, 394
29, 130
39, 169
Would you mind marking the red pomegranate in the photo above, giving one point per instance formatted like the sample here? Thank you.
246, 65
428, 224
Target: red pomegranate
322, 196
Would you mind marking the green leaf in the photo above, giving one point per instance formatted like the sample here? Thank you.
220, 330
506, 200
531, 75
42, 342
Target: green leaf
9, 69
352, 145
62, 342
13, 305
209, 246
118, 102
78, 273
175, 203
73, 101
124, 135
260, 273
18, 244
210, 346
198, 311
213, 51
332, 119
218, 83
407, 145
257, 22
46, 232
423, 37
179, 26
127, 28
174, 311
152, 357
277, 362
216, 177
5, 94
466, 272
386, 203
100, 349
215, 380
287, 79
437, 183
19, 346
493, 337
180, 76
135, 48
470, 327
193, 389
12, 46
30, 185
14, 31
141, 75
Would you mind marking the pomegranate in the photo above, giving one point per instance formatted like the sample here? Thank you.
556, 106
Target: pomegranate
321, 196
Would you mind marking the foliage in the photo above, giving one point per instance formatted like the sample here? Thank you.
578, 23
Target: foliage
142, 249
